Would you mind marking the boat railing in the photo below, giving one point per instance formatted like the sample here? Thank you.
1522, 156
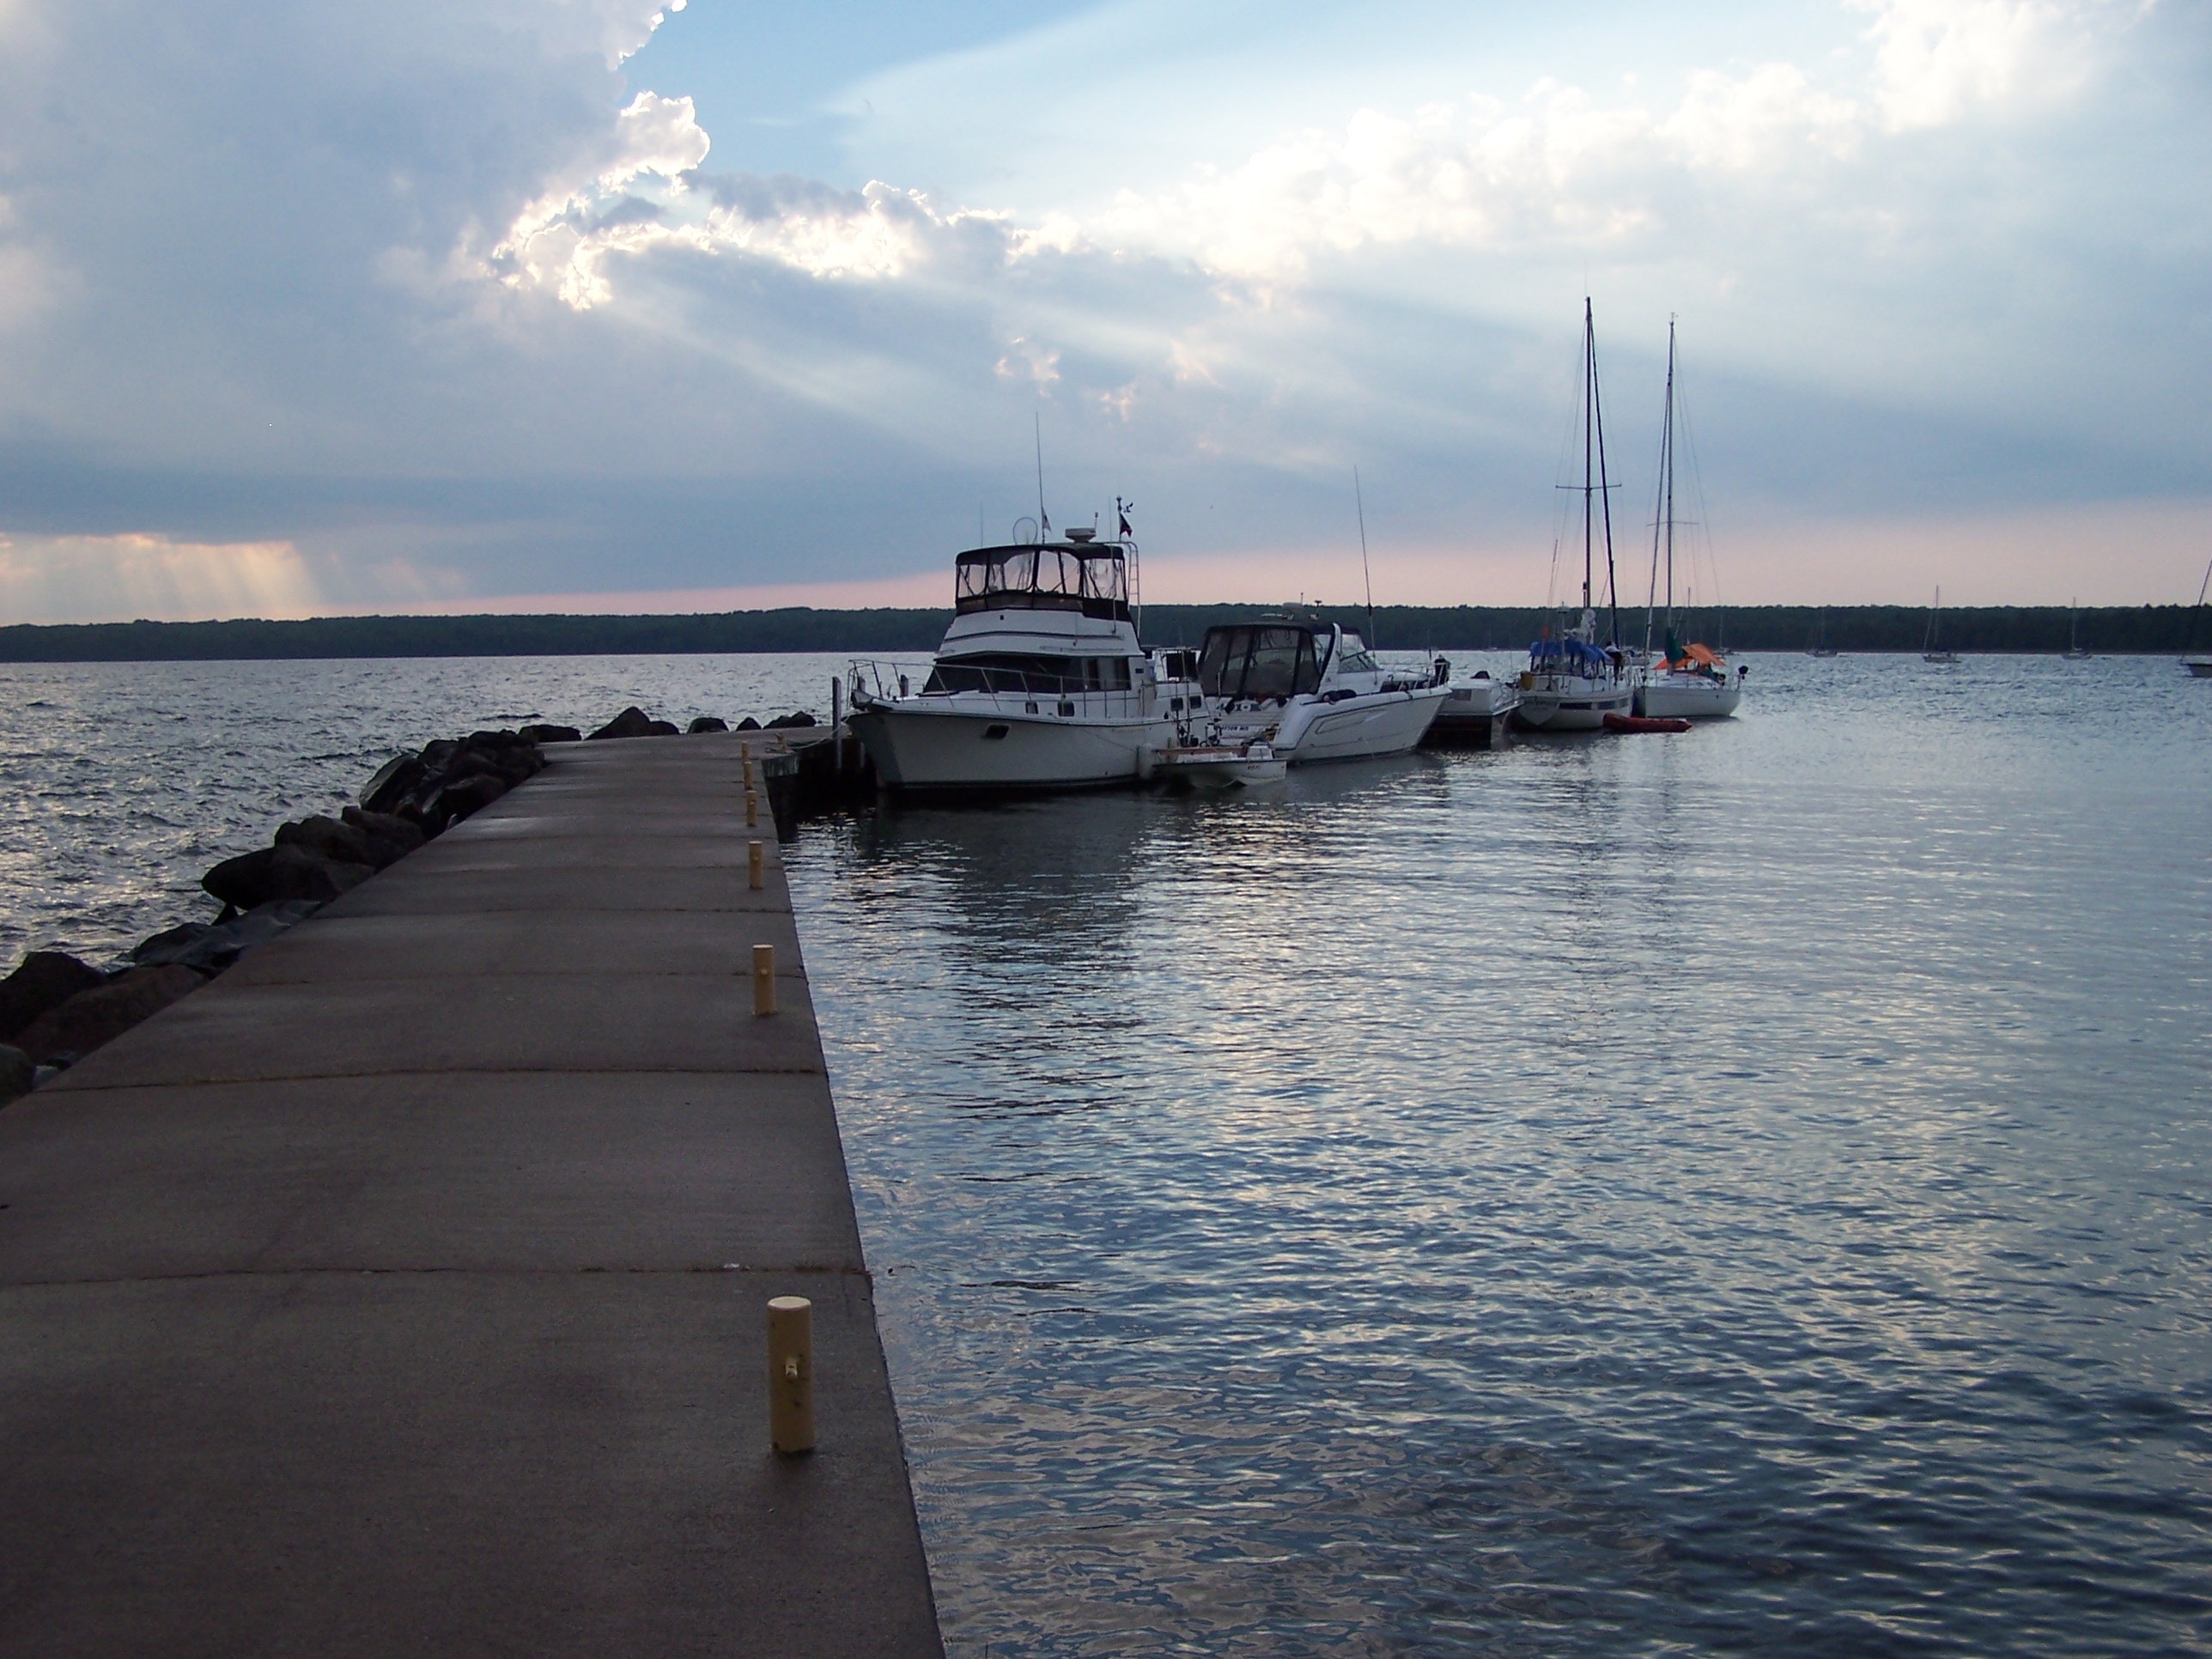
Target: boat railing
871, 681
880, 682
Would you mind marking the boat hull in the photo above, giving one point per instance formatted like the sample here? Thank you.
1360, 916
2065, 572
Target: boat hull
1688, 697
1568, 702
2199, 666
1473, 716
920, 749
1365, 728
1217, 768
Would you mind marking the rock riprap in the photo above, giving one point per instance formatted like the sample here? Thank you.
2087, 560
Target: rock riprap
54, 1009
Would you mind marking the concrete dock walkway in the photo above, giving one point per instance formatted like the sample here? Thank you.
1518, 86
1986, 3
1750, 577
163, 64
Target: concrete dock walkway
401, 1291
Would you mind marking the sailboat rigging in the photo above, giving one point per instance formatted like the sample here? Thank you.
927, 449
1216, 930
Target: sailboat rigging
1931, 646
1686, 682
1571, 683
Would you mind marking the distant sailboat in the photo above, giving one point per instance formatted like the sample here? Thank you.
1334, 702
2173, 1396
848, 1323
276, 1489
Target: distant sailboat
2197, 662
1818, 646
2074, 652
1931, 648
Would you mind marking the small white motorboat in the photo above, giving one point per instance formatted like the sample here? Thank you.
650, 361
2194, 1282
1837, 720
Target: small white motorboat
1477, 713
1220, 766
1311, 691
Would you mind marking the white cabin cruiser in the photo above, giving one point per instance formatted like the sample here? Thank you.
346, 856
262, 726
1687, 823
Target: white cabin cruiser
1311, 692
1040, 683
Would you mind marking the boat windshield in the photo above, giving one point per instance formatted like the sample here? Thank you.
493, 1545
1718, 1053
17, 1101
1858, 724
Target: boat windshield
1090, 579
1259, 661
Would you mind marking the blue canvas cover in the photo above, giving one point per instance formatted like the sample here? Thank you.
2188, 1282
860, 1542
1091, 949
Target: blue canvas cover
1568, 656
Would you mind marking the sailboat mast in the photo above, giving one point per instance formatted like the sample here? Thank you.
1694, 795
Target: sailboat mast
1589, 403
1666, 471
1604, 487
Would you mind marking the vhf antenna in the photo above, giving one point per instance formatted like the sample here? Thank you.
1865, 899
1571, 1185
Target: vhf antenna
1359, 504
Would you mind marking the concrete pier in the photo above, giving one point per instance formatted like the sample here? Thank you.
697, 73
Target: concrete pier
402, 1291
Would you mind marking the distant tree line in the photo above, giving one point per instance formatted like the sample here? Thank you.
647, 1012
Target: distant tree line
2111, 629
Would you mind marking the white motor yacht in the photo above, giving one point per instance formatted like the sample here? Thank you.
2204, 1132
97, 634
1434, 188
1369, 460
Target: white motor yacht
1312, 692
1040, 683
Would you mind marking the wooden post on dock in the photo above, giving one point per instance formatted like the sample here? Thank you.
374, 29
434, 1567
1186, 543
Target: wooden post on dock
791, 1373
753, 864
764, 979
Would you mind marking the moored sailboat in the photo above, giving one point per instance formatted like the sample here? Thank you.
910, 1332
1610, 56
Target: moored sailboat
1687, 682
1571, 683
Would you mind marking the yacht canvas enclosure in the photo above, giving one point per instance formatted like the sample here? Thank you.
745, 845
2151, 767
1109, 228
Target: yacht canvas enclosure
1090, 578
1259, 662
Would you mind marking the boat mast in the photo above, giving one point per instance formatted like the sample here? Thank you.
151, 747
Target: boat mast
1662, 528
1590, 404
1360, 503
1604, 487
1666, 466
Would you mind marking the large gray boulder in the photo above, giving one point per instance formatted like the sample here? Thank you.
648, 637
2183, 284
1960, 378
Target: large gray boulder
282, 873
46, 979
92, 1018
385, 826
550, 734
632, 722
471, 794
343, 843
392, 782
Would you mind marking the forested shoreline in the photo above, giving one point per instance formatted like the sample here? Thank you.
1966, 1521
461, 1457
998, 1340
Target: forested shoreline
2107, 629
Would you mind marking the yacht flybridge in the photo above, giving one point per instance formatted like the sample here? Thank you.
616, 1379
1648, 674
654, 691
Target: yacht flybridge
1040, 683
1311, 691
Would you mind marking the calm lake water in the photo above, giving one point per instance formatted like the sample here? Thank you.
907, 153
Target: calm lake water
1660, 1195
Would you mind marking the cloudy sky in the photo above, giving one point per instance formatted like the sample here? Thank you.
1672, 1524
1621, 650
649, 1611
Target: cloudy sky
469, 304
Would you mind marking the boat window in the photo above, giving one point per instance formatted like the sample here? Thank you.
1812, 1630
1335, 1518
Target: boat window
1360, 662
1258, 662
1028, 676
1091, 579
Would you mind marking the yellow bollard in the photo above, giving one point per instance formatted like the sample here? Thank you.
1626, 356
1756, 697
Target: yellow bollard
764, 979
791, 1372
752, 810
746, 752
748, 773
753, 864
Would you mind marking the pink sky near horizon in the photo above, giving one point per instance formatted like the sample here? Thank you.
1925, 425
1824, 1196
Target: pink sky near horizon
2121, 554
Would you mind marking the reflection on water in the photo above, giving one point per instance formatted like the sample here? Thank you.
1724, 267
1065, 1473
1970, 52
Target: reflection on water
1612, 1195
1717, 1193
